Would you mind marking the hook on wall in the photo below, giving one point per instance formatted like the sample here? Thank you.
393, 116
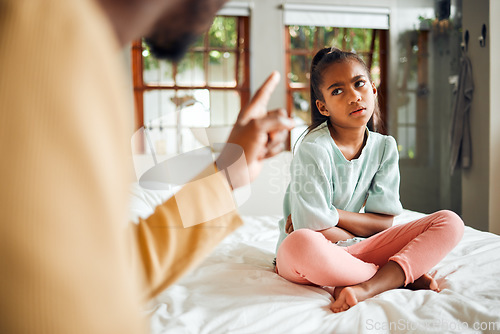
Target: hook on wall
465, 43
482, 38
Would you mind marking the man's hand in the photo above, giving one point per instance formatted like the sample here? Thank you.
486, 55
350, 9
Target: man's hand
256, 135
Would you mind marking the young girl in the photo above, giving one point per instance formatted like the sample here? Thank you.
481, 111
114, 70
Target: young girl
339, 168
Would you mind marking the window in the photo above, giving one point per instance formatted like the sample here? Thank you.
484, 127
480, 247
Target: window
302, 43
206, 88
413, 97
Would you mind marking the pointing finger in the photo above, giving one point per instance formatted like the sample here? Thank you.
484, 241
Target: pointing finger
258, 104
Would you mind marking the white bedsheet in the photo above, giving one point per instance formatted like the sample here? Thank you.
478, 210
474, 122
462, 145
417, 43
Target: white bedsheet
235, 290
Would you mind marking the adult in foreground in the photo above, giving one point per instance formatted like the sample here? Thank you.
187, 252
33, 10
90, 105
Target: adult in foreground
70, 263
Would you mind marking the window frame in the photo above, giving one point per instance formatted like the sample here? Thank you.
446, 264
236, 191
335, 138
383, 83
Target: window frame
242, 77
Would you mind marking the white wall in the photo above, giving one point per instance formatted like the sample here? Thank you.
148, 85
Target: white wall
475, 181
481, 183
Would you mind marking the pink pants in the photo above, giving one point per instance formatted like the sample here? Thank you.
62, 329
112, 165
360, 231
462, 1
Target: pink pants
307, 257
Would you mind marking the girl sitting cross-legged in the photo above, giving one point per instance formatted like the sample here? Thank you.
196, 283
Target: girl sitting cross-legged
339, 168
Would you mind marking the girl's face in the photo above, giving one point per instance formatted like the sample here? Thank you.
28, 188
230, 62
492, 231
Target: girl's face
349, 96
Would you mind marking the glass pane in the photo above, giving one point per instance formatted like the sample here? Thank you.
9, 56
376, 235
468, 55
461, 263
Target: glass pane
150, 105
326, 36
300, 105
224, 107
151, 72
166, 72
412, 142
412, 108
338, 39
347, 42
407, 139
300, 67
295, 41
402, 142
406, 110
223, 33
200, 41
403, 109
159, 109
194, 108
407, 74
360, 39
222, 69
376, 51
301, 37
190, 70
375, 72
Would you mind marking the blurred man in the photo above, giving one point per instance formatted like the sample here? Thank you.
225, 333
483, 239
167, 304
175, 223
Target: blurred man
69, 260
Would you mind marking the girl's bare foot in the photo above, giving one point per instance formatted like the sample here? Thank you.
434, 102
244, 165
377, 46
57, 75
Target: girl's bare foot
390, 276
347, 297
424, 282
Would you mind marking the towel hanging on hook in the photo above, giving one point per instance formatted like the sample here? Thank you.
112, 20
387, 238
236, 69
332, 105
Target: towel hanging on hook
460, 135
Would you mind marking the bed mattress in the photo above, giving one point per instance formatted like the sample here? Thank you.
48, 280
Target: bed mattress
235, 290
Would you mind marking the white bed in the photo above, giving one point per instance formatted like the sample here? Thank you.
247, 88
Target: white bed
235, 290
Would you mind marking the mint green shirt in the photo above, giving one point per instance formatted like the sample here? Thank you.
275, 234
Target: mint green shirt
323, 180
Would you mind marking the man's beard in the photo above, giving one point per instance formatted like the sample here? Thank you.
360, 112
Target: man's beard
174, 50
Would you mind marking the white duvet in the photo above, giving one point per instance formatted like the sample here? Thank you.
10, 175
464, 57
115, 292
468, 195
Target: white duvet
235, 290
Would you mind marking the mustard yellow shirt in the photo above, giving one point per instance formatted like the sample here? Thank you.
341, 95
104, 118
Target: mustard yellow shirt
69, 261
